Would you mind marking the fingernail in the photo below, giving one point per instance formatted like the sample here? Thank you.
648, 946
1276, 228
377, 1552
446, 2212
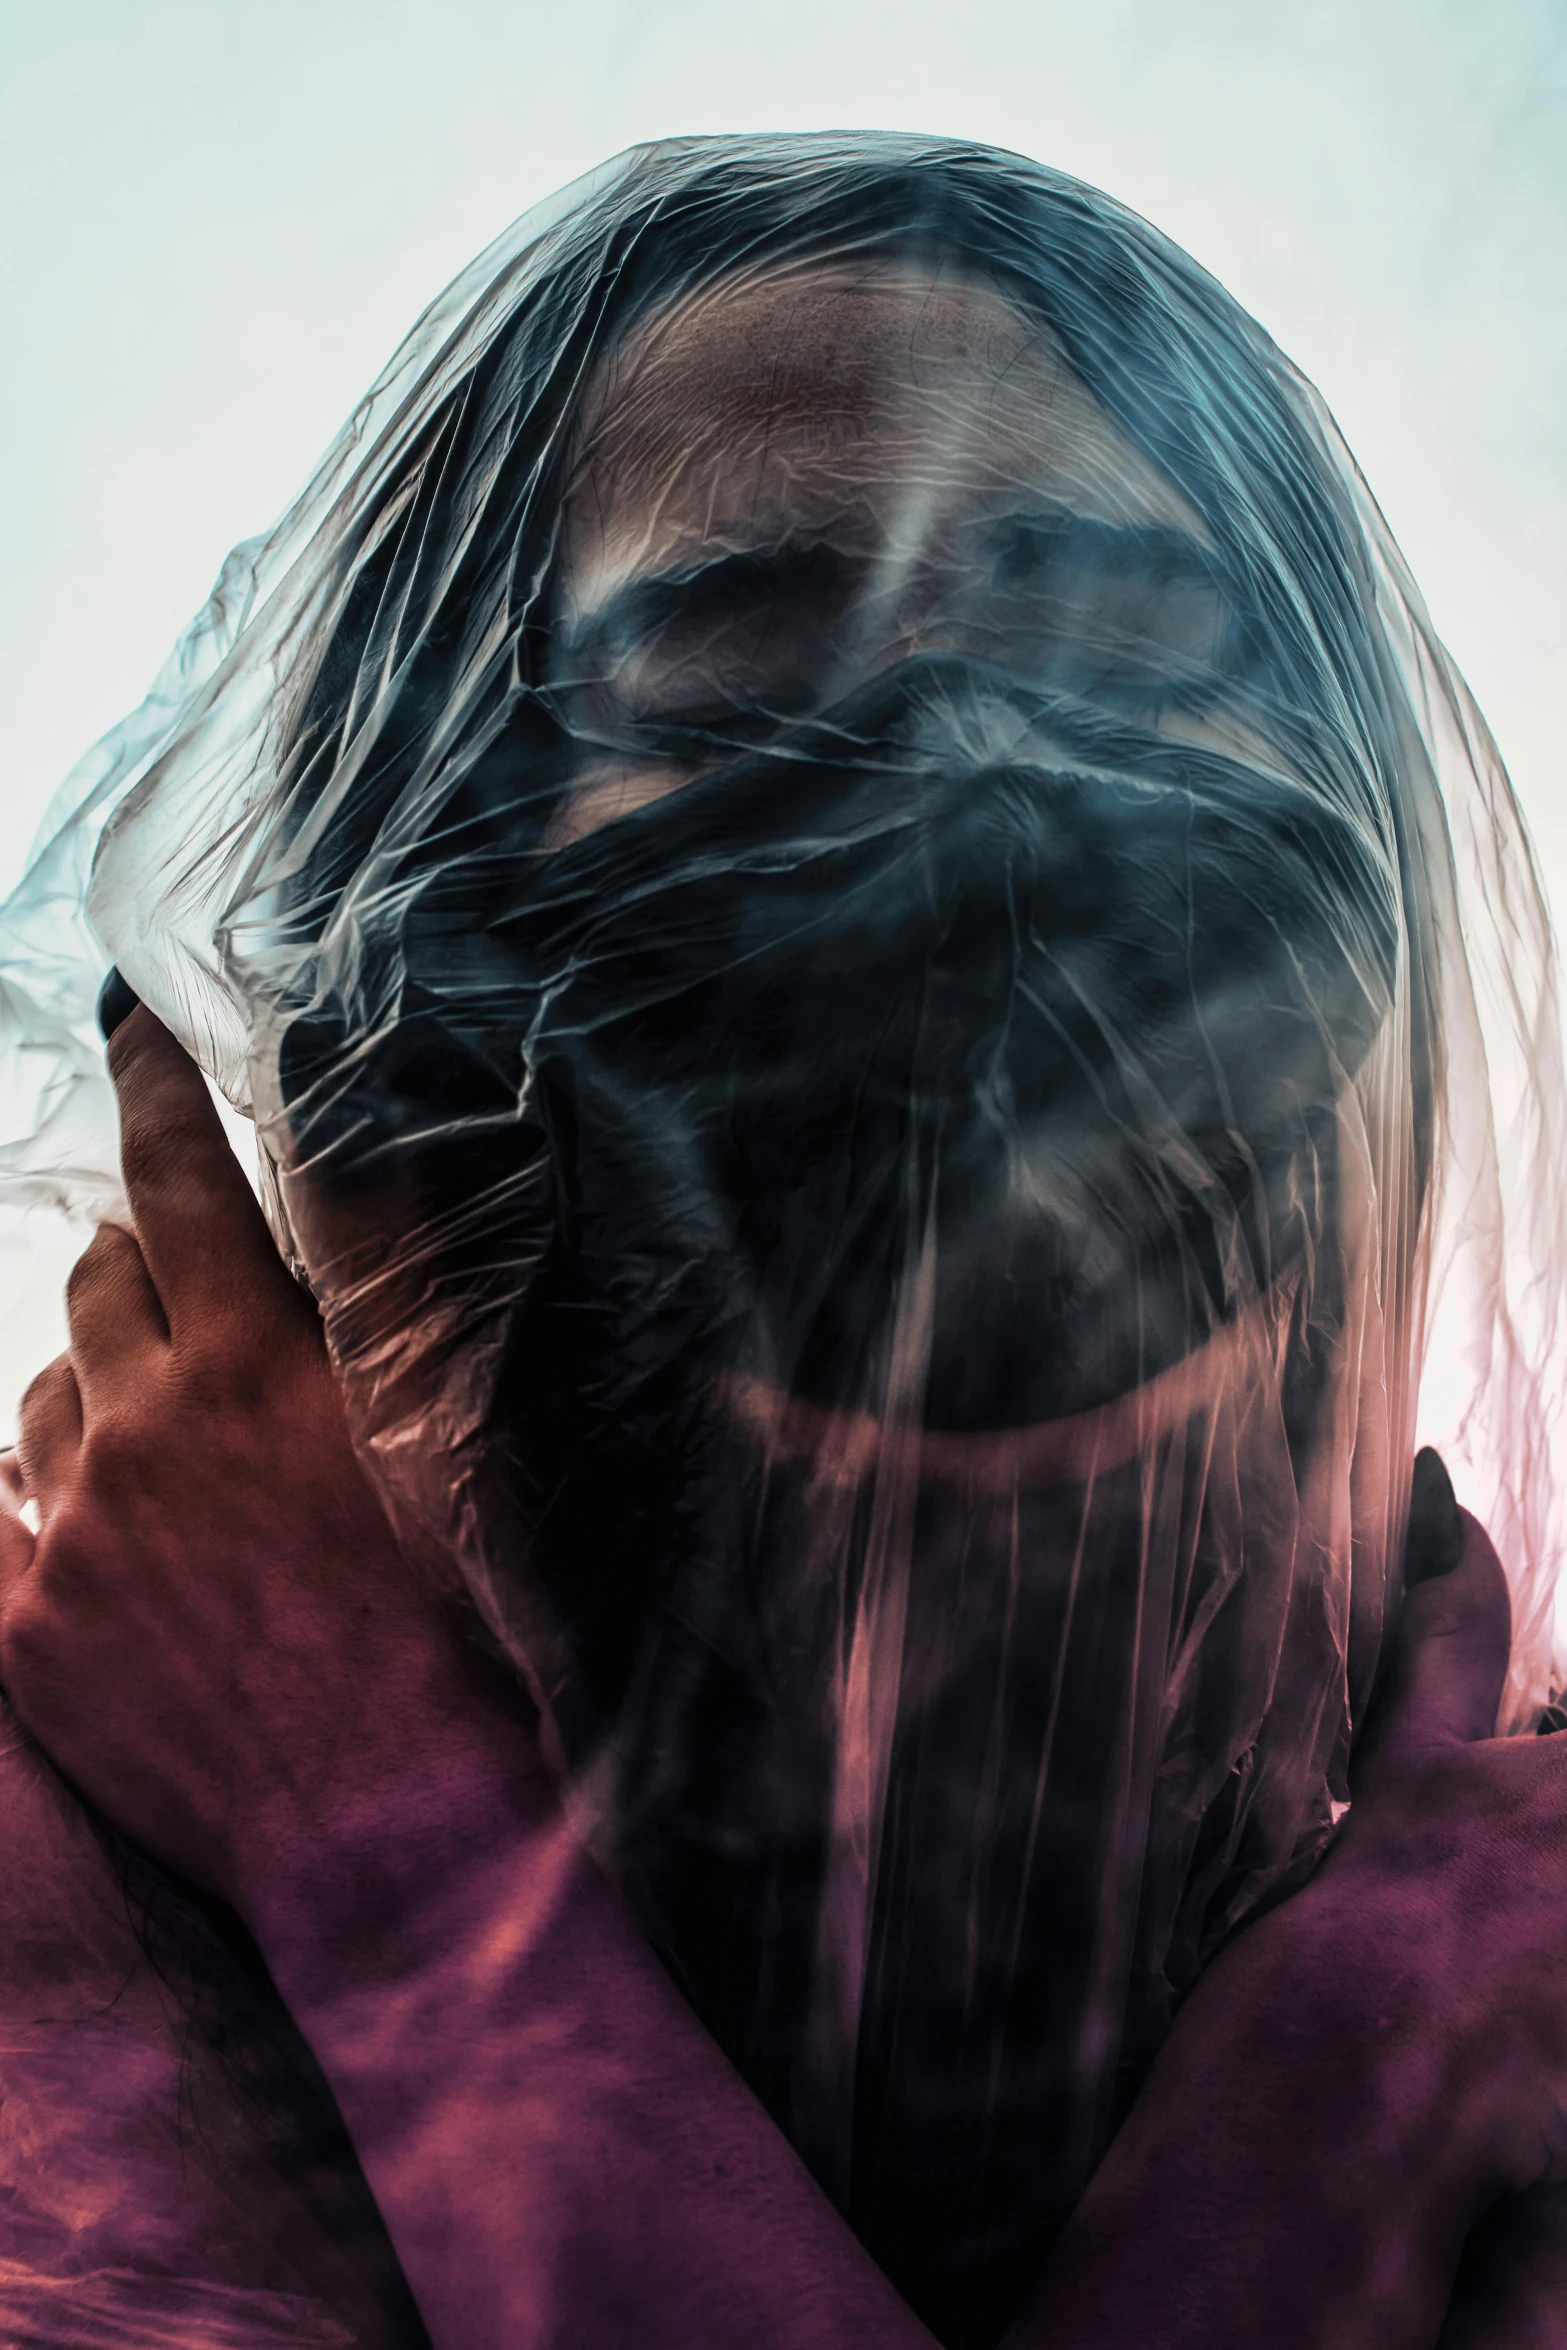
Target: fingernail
1436, 1528
116, 1002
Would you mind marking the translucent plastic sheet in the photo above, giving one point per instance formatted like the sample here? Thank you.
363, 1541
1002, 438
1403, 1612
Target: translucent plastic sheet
890, 993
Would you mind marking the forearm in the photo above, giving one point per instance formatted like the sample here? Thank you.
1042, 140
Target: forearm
1300, 2169
563, 2157
560, 2153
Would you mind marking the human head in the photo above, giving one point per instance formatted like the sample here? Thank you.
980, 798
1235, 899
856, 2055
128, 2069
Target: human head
1023, 1016
932, 851
819, 260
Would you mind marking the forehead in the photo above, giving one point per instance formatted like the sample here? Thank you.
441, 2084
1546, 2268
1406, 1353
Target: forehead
853, 404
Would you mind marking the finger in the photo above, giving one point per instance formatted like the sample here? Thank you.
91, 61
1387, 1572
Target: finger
1434, 1538
1448, 1671
114, 1317
12, 1487
49, 1433
203, 1237
16, 1545
117, 999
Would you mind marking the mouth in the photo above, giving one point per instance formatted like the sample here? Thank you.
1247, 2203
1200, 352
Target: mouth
1067, 1046
850, 1447
993, 1265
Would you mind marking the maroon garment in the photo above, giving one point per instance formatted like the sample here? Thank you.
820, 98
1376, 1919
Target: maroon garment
173, 2177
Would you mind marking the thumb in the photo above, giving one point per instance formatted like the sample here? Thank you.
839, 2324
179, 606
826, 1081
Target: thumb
1445, 1680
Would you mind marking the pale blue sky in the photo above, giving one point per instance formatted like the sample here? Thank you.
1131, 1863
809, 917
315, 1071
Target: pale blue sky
218, 216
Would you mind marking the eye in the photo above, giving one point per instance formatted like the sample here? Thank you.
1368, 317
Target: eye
740, 643
1134, 616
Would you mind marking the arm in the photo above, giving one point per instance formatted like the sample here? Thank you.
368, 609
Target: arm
1293, 2172
142, 2191
561, 2154
1302, 2167
558, 2150
261, 1690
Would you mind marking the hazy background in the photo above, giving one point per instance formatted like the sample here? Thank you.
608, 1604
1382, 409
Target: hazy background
218, 216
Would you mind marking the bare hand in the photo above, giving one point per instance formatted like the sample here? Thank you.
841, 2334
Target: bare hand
215, 1633
1454, 1860
216, 1637
1368, 2065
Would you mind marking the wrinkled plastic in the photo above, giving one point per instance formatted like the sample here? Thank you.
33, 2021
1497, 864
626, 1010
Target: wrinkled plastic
891, 994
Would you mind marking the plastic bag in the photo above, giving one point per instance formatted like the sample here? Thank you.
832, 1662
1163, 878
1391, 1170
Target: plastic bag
890, 993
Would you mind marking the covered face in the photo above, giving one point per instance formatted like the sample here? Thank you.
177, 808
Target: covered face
825, 851
995, 924
957, 993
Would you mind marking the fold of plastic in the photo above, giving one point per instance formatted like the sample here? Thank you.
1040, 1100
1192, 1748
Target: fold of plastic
882, 1162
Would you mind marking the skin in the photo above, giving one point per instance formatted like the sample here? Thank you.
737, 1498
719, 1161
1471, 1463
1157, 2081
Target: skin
903, 423
246, 1673
138, 2187
219, 1640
